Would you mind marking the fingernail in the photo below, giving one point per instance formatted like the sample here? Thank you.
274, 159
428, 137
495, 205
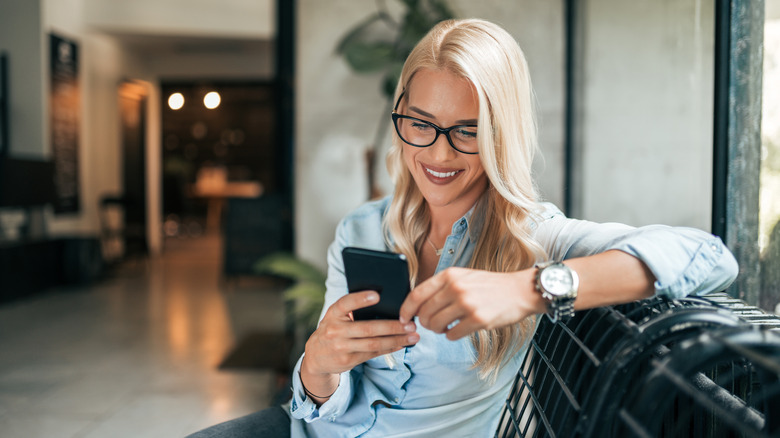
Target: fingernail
372, 297
409, 327
413, 338
402, 320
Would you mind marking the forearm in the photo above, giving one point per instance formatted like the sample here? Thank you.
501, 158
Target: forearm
611, 277
684, 261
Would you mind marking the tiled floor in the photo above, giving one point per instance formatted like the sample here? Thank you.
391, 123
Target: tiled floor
135, 355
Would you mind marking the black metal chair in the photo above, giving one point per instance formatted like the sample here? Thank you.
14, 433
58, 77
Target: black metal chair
589, 377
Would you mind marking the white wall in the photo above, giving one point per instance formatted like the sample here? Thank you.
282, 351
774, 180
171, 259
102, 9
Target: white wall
338, 111
647, 112
336, 115
255, 62
223, 18
21, 38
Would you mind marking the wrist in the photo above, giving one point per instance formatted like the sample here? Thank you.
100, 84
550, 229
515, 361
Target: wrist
317, 386
532, 302
317, 397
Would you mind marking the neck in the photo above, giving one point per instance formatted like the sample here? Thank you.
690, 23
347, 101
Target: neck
444, 216
442, 219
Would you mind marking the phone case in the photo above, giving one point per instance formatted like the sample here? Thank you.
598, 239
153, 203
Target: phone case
385, 272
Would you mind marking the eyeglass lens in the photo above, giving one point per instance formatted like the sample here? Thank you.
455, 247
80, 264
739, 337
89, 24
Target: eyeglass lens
420, 133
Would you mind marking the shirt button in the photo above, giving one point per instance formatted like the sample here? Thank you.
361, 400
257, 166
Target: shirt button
396, 400
450, 251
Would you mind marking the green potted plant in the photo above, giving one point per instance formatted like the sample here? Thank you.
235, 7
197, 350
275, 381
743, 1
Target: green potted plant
304, 297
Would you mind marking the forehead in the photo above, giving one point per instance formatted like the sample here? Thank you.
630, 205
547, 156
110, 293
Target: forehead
441, 90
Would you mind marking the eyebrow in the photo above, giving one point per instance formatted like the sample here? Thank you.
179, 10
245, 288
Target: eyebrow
431, 116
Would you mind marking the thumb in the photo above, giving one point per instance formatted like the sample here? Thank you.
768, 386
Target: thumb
353, 301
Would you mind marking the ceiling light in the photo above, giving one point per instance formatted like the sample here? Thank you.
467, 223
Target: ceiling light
176, 101
212, 100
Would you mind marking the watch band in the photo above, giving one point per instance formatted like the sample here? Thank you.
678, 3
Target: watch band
561, 310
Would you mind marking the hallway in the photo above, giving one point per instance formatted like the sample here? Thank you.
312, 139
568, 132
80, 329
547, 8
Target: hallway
136, 354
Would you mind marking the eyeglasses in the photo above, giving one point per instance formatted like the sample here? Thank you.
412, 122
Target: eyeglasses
421, 134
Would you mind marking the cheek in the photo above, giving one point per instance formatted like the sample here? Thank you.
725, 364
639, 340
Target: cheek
479, 170
408, 153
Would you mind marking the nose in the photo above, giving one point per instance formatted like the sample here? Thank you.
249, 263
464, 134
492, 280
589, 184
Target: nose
441, 150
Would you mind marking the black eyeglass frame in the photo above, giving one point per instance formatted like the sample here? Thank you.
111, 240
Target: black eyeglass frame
446, 131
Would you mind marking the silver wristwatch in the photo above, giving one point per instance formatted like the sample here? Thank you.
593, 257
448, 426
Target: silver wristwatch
558, 285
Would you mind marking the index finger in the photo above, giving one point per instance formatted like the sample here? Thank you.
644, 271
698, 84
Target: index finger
419, 295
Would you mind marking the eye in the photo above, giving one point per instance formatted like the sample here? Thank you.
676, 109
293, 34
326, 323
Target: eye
466, 133
420, 126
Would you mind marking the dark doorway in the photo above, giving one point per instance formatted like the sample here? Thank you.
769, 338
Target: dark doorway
132, 106
217, 159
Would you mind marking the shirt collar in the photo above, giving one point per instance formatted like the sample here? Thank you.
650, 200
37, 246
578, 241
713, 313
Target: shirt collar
474, 219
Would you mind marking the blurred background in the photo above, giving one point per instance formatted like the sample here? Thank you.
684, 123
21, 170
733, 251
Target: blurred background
154, 154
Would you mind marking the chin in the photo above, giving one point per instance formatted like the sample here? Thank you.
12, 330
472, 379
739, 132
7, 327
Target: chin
439, 198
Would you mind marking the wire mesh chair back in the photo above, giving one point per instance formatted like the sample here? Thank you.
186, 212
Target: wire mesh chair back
724, 383
556, 374
577, 376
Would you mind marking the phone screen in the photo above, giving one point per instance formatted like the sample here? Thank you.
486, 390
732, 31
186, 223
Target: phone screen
385, 272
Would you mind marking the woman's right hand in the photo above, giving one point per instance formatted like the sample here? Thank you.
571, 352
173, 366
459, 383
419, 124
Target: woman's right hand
340, 343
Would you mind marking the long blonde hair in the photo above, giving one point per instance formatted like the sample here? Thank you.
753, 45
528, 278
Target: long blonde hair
491, 60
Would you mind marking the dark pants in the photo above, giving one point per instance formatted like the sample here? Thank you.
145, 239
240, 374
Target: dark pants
272, 422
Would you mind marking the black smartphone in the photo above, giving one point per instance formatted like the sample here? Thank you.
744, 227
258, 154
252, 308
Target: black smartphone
384, 272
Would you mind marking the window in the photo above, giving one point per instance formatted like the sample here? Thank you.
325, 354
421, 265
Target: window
769, 207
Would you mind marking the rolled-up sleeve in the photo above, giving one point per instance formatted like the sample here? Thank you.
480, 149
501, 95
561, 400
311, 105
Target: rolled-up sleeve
685, 261
304, 408
301, 406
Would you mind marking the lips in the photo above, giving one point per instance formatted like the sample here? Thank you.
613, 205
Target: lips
441, 176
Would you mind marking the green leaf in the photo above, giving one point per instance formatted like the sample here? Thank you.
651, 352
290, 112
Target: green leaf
414, 26
308, 299
441, 10
288, 266
305, 290
390, 80
355, 35
366, 57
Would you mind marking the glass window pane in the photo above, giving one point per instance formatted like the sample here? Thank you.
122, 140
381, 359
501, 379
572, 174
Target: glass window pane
769, 210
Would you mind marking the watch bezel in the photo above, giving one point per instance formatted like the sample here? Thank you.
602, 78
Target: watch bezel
551, 285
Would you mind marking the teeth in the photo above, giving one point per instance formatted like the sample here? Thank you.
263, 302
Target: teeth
441, 174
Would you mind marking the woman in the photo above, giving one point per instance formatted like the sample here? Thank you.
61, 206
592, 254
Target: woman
465, 214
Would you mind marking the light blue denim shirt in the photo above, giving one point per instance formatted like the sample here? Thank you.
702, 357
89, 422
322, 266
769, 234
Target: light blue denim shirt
431, 388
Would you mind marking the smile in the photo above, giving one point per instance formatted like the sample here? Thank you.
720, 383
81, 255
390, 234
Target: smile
442, 174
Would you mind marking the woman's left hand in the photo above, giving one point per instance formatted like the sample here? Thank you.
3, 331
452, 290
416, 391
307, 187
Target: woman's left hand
475, 299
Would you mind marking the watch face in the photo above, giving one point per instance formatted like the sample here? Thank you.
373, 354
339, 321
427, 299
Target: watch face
557, 281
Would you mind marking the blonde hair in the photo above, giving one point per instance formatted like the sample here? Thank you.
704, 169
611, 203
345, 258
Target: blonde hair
487, 56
